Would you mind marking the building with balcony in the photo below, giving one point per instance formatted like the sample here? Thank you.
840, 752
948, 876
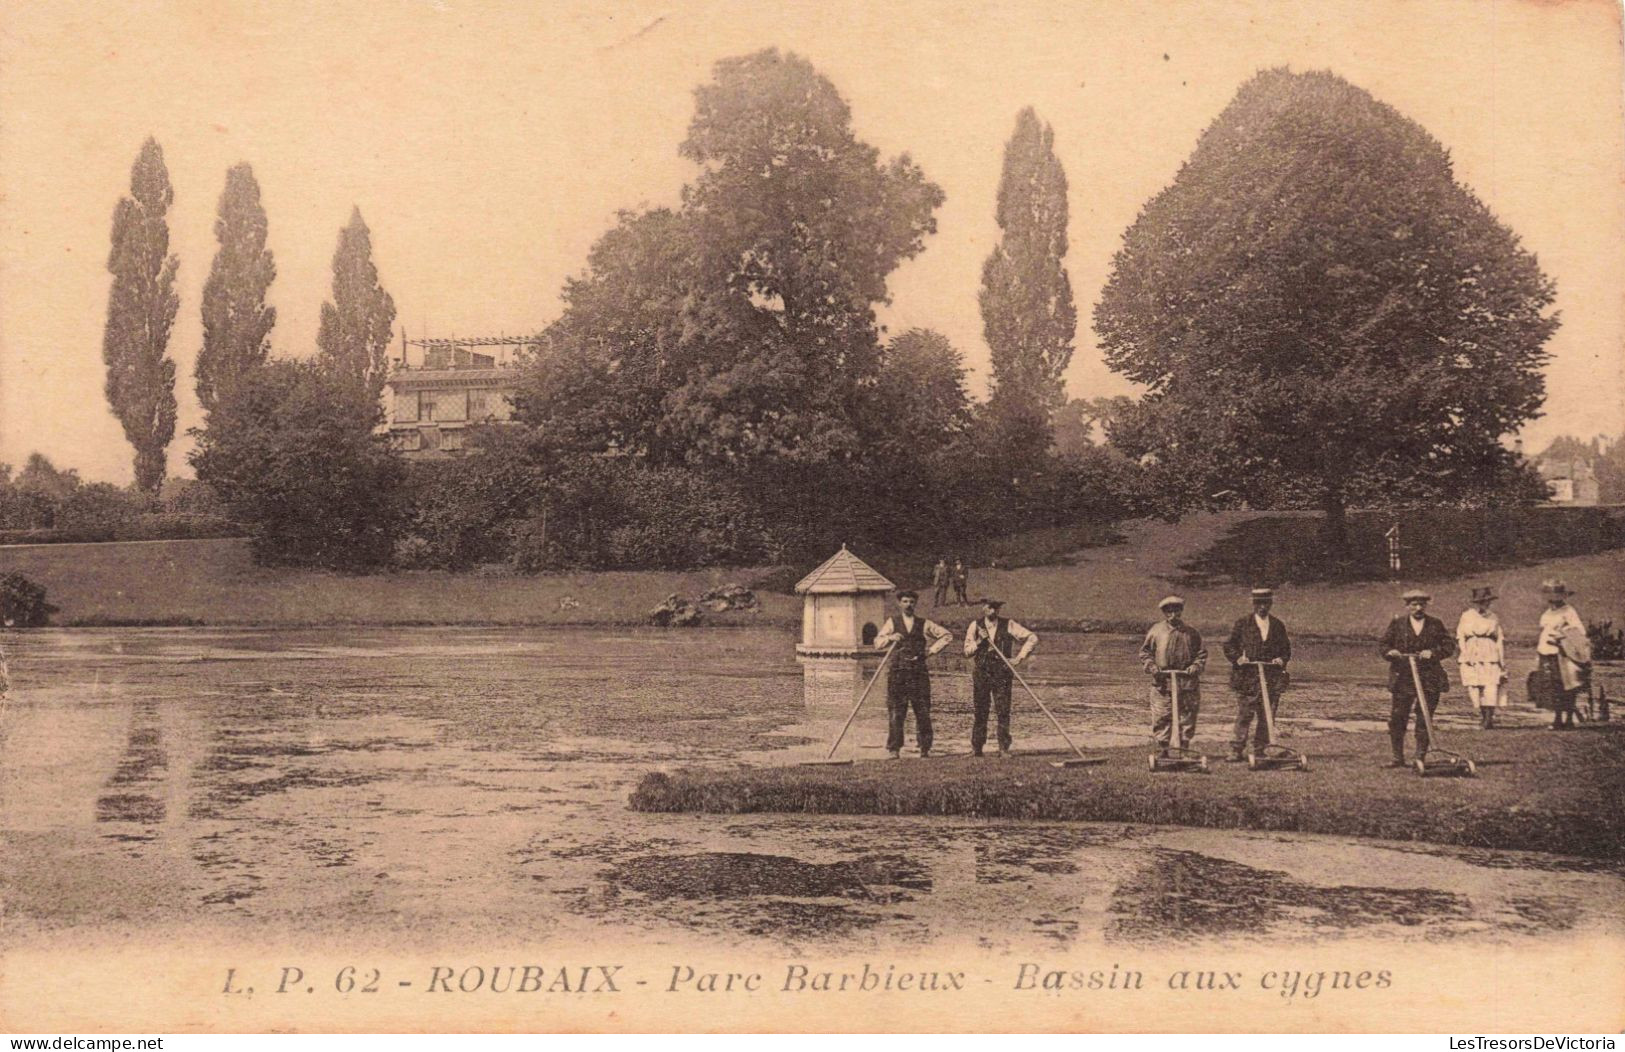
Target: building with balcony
441, 388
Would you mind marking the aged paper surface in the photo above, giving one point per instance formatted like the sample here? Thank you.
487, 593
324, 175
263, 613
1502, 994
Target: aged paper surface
444, 875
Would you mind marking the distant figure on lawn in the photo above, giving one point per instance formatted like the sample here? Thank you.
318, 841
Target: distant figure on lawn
939, 582
1173, 648
961, 578
1564, 651
1257, 637
1418, 634
1481, 656
910, 681
987, 638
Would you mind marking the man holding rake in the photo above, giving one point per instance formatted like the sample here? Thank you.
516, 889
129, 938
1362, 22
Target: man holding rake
914, 639
990, 642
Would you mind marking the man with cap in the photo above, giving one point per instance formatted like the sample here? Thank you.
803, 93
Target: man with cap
909, 682
1414, 633
986, 639
1173, 647
1257, 637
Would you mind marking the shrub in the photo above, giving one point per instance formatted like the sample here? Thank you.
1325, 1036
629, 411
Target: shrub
1607, 642
22, 602
294, 457
151, 526
99, 506
462, 512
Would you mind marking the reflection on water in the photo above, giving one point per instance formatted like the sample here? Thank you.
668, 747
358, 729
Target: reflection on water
432, 784
734, 874
141, 767
1193, 894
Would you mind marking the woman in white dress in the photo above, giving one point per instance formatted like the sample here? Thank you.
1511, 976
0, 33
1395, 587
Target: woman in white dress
1562, 650
1481, 656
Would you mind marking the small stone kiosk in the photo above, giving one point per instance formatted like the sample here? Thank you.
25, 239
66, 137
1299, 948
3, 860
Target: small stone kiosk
842, 607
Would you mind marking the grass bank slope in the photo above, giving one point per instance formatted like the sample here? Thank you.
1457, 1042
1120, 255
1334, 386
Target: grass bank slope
215, 582
1112, 583
1117, 587
1536, 791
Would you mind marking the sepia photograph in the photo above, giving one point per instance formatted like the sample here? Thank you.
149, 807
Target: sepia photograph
689, 516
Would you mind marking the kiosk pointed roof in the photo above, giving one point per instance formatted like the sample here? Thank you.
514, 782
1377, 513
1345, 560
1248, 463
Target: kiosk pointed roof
843, 574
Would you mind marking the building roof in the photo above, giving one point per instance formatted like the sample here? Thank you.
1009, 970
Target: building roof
1565, 468
843, 574
419, 379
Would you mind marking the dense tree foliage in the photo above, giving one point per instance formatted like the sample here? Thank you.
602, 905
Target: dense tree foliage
236, 320
1316, 297
740, 329
1028, 316
43, 504
141, 307
1083, 423
294, 458
607, 364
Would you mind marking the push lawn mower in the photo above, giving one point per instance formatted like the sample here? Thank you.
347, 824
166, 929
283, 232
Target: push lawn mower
1176, 758
1435, 761
1272, 757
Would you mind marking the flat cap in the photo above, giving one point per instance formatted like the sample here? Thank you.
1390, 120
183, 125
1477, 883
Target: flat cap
1414, 593
1172, 600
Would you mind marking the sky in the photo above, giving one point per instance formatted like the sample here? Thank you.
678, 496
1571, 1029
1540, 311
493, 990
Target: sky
488, 145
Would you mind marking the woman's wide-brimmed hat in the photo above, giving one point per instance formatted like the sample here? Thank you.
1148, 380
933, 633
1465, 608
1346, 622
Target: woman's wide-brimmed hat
1556, 586
1483, 594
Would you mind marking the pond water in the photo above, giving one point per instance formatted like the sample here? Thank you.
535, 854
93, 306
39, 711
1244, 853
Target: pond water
414, 786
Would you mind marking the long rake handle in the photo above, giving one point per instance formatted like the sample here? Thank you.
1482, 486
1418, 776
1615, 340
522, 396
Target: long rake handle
861, 699
1036, 698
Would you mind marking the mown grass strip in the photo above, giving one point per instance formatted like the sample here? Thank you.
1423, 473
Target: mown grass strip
1537, 791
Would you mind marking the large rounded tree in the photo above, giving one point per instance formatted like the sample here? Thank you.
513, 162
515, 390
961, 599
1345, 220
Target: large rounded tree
1316, 297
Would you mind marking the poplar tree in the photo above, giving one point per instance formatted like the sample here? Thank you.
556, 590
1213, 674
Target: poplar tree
236, 321
1028, 316
141, 307
357, 323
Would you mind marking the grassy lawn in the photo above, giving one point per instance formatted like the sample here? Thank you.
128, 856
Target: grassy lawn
1535, 791
1434, 543
1089, 578
215, 582
1116, 588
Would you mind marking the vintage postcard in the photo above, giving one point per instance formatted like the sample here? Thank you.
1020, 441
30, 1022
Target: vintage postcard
704, 516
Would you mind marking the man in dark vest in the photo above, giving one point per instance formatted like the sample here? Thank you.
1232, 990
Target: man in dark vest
1259, 636
991, 677
1418, 633
909, 681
